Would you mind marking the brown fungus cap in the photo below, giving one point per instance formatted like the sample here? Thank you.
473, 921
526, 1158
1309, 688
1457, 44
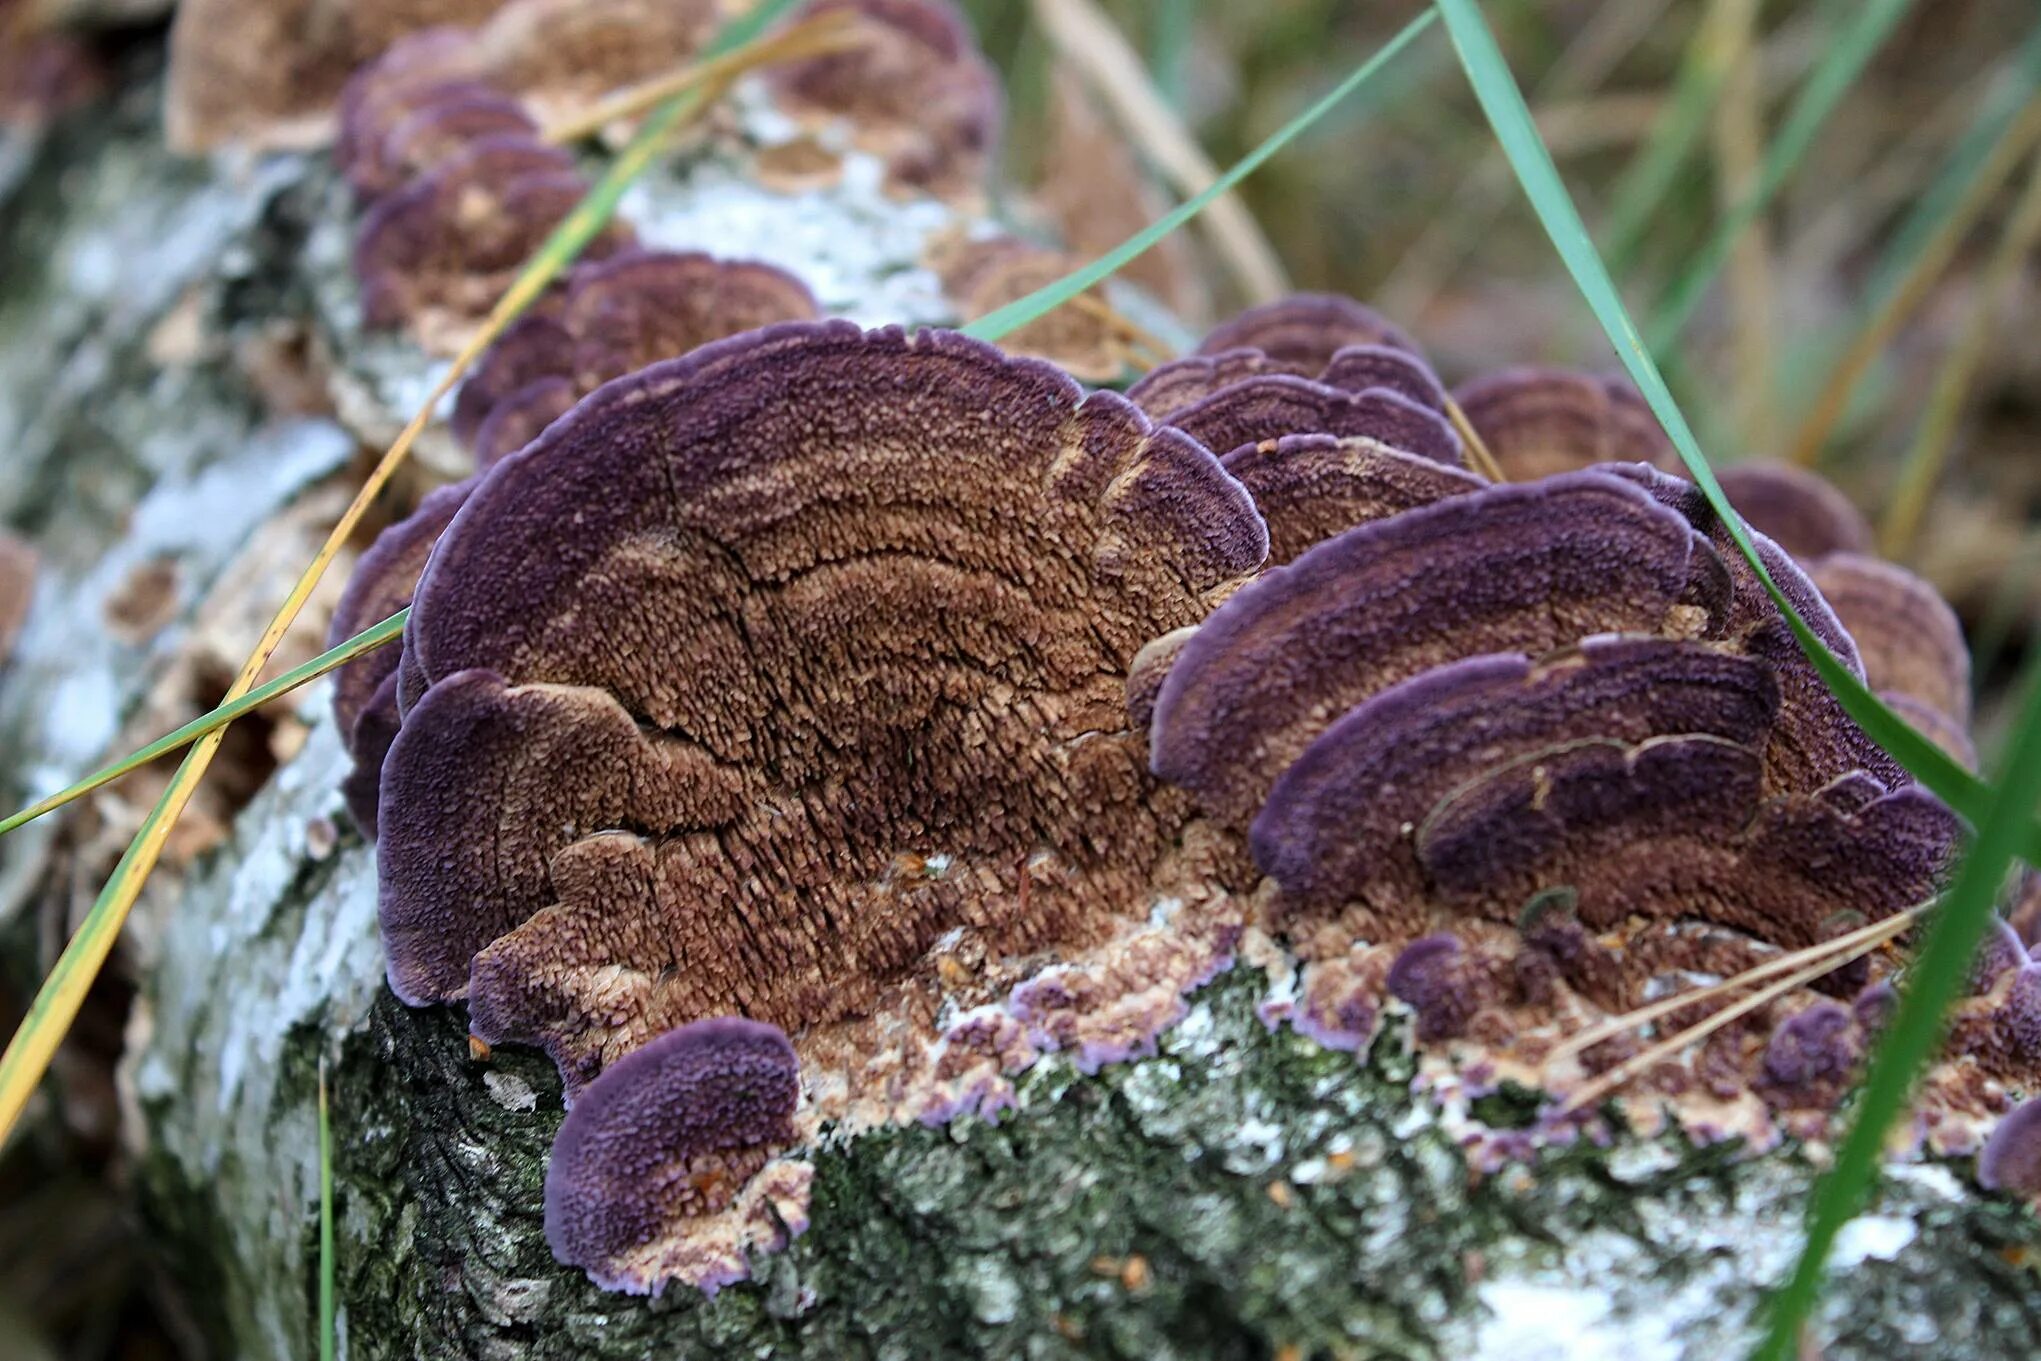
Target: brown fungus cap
1338, 825
915, 91
1512, 568
668, 1136
267, 72
440, 251
559, 55
907, 578
1802, 512
18, 562
982, 276
1312, 487
1909, 638
1182, 382
418, 127
1301, 333
613, 317
1538, 421
1267, 407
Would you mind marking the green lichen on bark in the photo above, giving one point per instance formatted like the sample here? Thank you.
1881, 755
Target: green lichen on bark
1276, 1194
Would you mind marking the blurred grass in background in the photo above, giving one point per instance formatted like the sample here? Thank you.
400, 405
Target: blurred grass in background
1402, 199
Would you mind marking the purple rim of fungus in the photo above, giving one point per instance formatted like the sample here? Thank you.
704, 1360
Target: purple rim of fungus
521, 417
918, 92
368, 741
1302, 332
663, 1137
1169, 388
1815, 741
1334, 828
381, 92
1511, 568
1909, 638
2011, 1158
1004, 547
1310, 488
2000, 950
537, 345
1270, 406
1537, 422
1815, 1046
449, 239
1803, 512
2020, 1015
536, 768
1426, 977
427, 126
613, 317
1679, 827
384, 578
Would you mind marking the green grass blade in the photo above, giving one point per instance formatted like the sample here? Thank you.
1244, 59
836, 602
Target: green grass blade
1995, 113
1675, 133
327, 1339
1001, 321
1504, 104
366, 641
1838, 69
1910, 1041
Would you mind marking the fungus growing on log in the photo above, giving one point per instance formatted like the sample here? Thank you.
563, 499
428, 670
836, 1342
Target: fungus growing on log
1312, 487
1178, 384
1004, 550
613, 317
1302, 332
671, 1135
1082, 337
365, 689
1537, 422
1803, 512
2011, 1160
267, 72
1511, 568
1910, 640
441, 251
916, 92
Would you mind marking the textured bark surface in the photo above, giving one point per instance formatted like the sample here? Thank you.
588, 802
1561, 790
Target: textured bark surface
1240, 1194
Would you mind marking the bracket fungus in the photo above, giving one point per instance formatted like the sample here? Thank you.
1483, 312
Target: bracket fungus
856, 704
2011, 1160
916, 92
675, 1134
611, 318
365, 689
440, 251
1538, 421
1803, 512
1084, 337
821, 726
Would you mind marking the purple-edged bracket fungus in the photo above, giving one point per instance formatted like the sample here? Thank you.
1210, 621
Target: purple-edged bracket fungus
395, 133
439, 252
1302, 332
614, 317
1537, 422
267, 72
864, 602
1178, 384
1514, 568
669, 1140
562, 55
916, 92
1803, 512
365, 689
2011, 1160
1084, 337
1909, 638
